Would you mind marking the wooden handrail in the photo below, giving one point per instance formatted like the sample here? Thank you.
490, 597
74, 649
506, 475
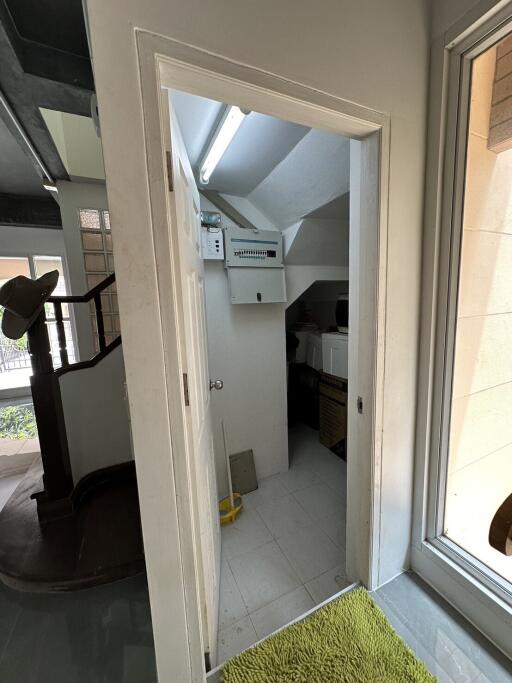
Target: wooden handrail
92, 361
84, 298
93, 294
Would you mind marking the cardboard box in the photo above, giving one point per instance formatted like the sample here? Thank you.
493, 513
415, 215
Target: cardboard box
333, 413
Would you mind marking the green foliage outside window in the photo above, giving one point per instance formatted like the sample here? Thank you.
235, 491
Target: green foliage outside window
17, 422
14, 343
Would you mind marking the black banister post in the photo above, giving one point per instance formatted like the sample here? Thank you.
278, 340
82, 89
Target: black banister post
99, 321
58, 481
61, 333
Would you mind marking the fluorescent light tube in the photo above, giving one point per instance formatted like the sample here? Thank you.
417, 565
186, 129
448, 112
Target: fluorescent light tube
225, 132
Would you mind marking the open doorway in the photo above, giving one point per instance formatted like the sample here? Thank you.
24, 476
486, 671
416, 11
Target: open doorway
274, 243
177, 484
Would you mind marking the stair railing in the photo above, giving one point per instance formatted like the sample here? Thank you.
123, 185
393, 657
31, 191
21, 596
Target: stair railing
55, 500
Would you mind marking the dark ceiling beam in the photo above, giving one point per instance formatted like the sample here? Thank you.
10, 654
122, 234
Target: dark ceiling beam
27, 125
59, 96
34, 212
68, 77
56, 65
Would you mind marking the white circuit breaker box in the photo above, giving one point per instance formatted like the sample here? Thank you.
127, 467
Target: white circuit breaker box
254, 262
212, 247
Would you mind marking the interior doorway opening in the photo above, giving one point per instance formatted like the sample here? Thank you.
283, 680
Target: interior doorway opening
274, 231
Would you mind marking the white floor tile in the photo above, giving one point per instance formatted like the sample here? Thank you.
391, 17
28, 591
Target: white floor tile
337, 481
284, 516
328, 584
246, 533
268, 490
319, 501
281, 611
263, 575
231, 606
235, 639
310, 552
335, 526
299, 477
333, 471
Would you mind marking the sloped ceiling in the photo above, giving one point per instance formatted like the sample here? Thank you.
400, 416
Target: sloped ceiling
286, 171
260, 144
314, 174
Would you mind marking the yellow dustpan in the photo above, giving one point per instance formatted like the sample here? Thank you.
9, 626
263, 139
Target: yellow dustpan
229, 507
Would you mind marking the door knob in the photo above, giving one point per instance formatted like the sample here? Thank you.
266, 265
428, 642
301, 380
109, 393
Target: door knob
218, 384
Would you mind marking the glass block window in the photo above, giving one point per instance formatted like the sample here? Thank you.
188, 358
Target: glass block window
98, 263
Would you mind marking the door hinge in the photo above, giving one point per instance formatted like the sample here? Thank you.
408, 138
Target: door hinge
360, 405
185, 388
168, 157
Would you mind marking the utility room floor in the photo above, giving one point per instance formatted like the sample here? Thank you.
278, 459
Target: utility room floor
286, 551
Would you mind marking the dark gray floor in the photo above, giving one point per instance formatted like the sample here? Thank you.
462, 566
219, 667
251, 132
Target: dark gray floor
99, 635
450, 646
104, 635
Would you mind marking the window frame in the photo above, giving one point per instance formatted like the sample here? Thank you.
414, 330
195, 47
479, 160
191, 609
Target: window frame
483, 596
22, 391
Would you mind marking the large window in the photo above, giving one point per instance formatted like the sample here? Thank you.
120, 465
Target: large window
15, 366
479, 474
464, 427
471, 432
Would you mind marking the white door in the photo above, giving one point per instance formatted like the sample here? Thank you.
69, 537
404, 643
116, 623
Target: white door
184, 205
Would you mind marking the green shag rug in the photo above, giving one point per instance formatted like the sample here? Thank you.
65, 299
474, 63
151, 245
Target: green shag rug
349, 640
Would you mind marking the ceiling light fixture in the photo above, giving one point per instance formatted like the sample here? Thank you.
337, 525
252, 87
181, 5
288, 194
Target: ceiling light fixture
51, 187
224, 133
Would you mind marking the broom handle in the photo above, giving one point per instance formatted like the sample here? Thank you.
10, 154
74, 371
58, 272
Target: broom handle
226, 451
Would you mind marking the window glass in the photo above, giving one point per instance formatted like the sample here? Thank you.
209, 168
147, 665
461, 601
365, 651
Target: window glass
479, 476
90, 219
15, 365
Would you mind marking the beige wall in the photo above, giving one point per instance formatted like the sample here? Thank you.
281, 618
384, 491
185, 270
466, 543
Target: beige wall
369, 52
480, 465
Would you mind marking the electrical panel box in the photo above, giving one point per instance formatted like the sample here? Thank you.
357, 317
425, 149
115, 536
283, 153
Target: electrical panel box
254, 262
253, 248
257, 285
212, 244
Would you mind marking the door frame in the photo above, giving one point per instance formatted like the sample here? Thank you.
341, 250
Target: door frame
164, 495
440, 562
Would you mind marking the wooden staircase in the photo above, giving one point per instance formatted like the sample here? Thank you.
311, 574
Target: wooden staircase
56, 534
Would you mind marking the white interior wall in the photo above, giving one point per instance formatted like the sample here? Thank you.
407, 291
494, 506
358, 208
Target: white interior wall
96, 415
92, 398
320, 241
246, 350
300, 278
